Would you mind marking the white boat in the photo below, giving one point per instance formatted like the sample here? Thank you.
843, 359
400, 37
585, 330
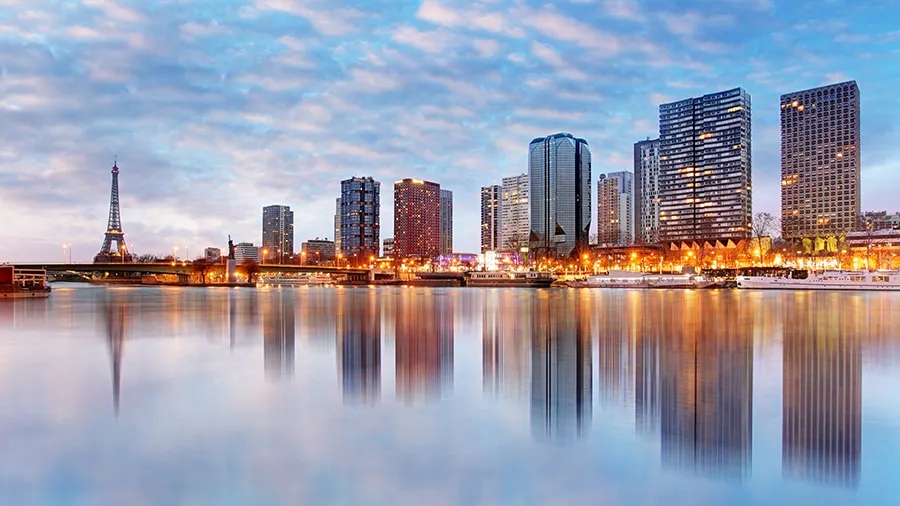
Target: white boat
828, 280
627, 279
528, 279
294, 280
23, 283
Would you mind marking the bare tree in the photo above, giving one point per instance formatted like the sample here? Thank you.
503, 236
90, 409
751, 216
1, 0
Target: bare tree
250, 268
866, 226
764, 225
202, 266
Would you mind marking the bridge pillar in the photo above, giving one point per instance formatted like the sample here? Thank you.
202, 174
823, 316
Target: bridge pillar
371, 275
184, 279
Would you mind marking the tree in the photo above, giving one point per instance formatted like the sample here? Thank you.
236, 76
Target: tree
864, 225
250, 268
147, 259
764, 225
202, 267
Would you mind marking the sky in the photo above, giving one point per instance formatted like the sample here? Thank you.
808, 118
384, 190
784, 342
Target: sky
216, 108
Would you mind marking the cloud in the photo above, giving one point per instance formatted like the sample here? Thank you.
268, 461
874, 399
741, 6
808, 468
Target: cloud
434, 41
327, 19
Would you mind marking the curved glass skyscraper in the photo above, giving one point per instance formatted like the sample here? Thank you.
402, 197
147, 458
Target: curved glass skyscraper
560, 178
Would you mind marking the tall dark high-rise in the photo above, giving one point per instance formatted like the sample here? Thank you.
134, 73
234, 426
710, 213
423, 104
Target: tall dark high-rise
360, 217
490, 218
646, 192
560, 194
705, 169
446, 222
820, 161
417, 218
277, 233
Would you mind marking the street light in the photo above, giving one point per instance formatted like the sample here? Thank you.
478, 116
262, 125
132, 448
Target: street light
265, 254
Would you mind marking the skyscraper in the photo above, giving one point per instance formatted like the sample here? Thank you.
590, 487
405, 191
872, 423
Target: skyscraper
705, 169
614, 208
820, 161
560, 194
646, 191
360, 217
446, 222
515, 213
278, 233
417, 218
490, 218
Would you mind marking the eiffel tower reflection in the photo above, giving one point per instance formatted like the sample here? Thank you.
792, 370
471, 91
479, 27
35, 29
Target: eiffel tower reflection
114, 314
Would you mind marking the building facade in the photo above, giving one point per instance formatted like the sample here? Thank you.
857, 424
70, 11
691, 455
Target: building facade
360, 217
244, 251
490, 218
515, 213
446, 222
820, 161
388, 248
316, 251
881, 220
705, 169
212, 254
417, 218
278, 233
646, 191
337, 225
614, 209
560, 195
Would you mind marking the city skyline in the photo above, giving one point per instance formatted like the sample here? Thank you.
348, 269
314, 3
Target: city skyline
428, 73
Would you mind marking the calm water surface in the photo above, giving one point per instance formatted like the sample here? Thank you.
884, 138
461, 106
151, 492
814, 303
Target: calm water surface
396, 396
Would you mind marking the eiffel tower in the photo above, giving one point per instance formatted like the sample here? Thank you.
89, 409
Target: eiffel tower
114, 228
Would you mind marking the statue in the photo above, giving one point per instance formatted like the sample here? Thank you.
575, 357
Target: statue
230, 248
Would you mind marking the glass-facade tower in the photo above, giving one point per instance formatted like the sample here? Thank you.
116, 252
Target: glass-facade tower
560, 194
277, 233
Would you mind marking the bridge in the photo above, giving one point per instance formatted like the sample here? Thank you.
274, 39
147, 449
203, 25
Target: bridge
184, 270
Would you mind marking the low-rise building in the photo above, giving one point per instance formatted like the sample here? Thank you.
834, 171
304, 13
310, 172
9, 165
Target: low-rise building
317, 250
213, 254
244, 251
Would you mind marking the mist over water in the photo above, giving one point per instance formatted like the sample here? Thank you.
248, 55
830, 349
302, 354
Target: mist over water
393, 395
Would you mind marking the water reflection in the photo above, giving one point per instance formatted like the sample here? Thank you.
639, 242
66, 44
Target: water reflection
423, 346
114, 311
560, 368
506, 346
278, 333
706, 383
359, 346
822, 391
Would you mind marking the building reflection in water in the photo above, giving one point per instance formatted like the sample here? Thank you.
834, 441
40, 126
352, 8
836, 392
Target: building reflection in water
506, 344
706, 383
114, 314
359, 345
423, 345
822, 389
278, 333
646, 372
560, 368
617, 321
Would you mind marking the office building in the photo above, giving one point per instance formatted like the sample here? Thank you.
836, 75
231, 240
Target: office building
705, 169
820, 161
515, 213
278, 233
360, 217
316, 251
881, 220
614, 209
490, 218
646, 191
388, 248
244, 251
212, 254
337, 225
446, 222
560, 195
417, 218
